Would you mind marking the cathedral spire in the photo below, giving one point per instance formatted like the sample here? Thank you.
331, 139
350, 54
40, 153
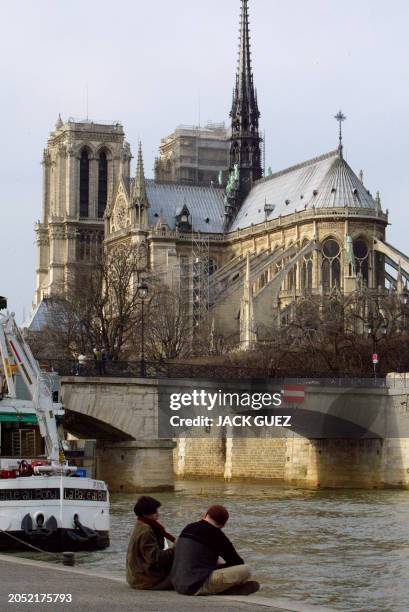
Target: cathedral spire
140, 185
245, 152
244, 74
59, 122
140, 202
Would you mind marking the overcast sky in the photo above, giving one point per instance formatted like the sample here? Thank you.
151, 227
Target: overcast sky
147, 63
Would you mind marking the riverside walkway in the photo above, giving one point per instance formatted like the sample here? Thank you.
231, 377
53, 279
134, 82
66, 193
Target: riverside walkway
98, 591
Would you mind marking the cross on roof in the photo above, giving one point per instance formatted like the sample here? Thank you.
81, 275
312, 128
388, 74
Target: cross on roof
340, 117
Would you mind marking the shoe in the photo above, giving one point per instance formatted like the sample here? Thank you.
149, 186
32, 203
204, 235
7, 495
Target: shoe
247, 588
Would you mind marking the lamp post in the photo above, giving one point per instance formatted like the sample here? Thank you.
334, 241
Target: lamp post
371, 330
142, 292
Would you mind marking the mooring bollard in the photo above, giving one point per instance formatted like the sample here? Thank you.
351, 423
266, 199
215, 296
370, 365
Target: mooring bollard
68, 558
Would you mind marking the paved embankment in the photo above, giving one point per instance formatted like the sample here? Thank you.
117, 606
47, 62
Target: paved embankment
97, 591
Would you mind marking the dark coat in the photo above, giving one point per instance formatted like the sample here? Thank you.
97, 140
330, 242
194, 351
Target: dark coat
196, 554
147, 564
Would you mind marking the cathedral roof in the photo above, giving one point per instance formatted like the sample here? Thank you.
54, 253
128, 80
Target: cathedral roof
205, 205
322, 182
39, 317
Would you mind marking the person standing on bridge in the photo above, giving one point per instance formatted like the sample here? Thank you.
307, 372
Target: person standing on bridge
148, 563
98, 360
197, 569
104, 357
81, 363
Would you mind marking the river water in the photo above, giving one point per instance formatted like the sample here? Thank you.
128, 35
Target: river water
347, 550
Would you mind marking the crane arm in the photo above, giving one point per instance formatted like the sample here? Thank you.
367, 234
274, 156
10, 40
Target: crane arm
17, 355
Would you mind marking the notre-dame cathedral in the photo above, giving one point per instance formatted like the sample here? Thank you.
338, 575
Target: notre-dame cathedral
243, 247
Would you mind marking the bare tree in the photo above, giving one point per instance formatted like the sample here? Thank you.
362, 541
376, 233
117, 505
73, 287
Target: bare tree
328, 336
168, 325
99, 308
334, 336
208, 341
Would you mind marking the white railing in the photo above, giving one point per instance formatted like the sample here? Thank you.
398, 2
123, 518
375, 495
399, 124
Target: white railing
95, 121
187, 237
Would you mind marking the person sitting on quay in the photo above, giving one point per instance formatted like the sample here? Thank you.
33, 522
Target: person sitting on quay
196, 569
148, 564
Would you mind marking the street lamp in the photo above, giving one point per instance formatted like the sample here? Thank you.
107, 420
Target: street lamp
371, 332
142, 293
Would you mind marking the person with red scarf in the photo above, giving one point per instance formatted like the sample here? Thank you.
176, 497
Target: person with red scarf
148, 564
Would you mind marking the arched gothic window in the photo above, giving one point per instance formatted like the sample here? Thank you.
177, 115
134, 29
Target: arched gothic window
263, 280
89, 246
255, 159
361, 253
102, 183
246, 154
235, 154
331, 264
306, 272
84, 184
291, 278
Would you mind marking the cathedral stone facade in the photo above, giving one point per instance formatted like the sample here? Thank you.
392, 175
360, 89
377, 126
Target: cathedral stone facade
81, 168
240, 250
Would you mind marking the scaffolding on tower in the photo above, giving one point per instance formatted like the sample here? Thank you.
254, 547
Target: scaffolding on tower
263, 153
201, 271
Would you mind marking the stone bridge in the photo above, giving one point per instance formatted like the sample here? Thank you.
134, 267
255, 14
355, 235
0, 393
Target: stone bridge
121, 414
370, 446
115, 409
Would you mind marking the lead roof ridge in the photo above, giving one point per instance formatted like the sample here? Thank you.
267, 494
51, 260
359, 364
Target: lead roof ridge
304, 164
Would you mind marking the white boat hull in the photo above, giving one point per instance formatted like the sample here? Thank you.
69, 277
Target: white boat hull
54, 513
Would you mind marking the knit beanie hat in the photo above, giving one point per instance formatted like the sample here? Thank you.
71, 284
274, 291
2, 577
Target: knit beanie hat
218, 514
146, 505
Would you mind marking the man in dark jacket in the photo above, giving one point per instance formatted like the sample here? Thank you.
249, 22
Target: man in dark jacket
196, 569
147, 563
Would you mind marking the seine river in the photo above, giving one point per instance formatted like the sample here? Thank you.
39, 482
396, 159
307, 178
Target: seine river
347, 550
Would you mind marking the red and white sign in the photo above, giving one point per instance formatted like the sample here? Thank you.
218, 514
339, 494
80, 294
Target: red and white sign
293, 393
375, 358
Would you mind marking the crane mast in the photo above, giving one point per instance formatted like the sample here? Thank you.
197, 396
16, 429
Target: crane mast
46, 503
16, 356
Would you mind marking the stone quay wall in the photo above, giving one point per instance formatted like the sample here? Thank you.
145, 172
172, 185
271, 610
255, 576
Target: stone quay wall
135, 467
367, 462
337, 463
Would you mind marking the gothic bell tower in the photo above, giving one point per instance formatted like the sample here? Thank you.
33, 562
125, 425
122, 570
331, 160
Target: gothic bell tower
81, 166
245, 149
